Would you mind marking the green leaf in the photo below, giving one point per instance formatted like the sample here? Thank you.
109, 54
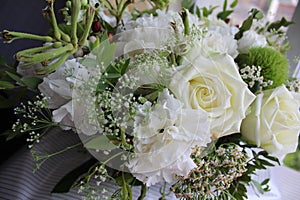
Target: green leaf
265, 182
105, 52
113, 75
258, 186
130, 179
278, 24
100, 142
255, 14
3, 61
188, 4
11, 98
31, 82
223, 15
88, 62
225, 5
15, 77
9, 134
234, 3
6, 85
65, 184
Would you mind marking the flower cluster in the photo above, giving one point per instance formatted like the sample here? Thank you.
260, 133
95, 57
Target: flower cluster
152, 93
214, 174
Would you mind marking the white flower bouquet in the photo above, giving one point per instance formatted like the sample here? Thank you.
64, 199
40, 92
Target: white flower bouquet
159, 97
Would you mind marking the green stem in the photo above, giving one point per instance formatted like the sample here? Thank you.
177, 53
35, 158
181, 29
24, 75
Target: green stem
121, 10
90, 18
143, 192
53, 67
65, 37
10, 36
75, 8
57, 33
37, 58
32, 51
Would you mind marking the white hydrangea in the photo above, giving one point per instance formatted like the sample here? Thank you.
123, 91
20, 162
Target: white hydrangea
164, 138
58, 88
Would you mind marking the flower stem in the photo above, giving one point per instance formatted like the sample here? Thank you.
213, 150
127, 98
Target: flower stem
10, 36
32, 51
57, 33
75, 8
53, 67
90, 18
37, 58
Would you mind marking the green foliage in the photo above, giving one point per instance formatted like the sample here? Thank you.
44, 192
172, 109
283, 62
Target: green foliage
225, 13
274, 65
255, 14
292, 160
217, 155
278, 24
188, 4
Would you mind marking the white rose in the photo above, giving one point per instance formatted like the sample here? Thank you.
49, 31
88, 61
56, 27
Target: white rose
251, 39
274, 121
214, 86
164, 138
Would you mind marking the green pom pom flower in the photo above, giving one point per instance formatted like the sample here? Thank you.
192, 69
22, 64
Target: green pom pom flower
274, 65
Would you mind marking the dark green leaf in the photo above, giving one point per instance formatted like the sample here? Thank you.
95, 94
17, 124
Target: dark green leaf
205, 12
3, 61
6, 85
9, 134
130, 179
15, 77
223, 15
31, 82
266, 163
12, 98
265, 182
278, 24
188, 4
255, 14
112, 75
225, 5
65, 184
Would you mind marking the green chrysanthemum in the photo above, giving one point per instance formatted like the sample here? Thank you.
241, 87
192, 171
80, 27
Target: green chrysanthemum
274, 65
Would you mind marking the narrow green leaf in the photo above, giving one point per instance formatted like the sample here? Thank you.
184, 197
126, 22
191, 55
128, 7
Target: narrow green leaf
224, 5
265, 182
278, 24
31, 82
258, 186
113, 75
6, 85
234, 3
65, 184
100, 142
15, 77
3, 61
223, 15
